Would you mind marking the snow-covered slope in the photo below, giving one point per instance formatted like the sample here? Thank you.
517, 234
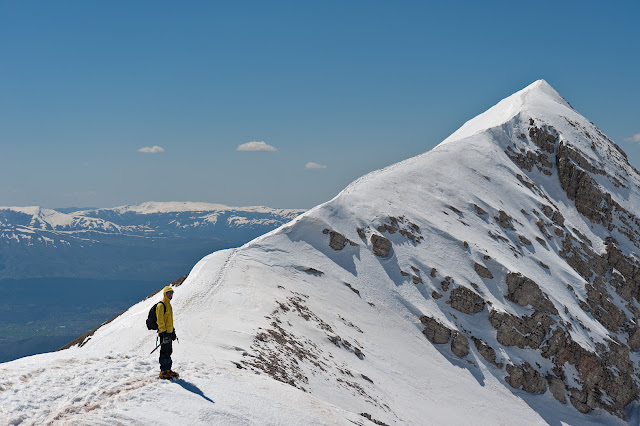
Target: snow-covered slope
491, 280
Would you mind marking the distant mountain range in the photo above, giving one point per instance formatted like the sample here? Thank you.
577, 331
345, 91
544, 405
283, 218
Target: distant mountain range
151, 240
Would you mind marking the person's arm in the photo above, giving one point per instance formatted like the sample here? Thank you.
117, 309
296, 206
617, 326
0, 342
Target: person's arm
162, 327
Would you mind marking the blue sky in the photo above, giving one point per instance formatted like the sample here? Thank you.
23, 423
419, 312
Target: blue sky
335, 89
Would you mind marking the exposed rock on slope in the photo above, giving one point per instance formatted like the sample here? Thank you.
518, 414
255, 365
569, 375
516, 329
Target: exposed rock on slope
567, 295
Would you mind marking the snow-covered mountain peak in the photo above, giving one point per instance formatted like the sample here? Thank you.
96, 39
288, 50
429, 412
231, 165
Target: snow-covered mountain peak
538, 96
42, 218
542, 88
536, 200
488, 281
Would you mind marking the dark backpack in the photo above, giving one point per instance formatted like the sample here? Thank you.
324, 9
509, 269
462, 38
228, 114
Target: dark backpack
152, 319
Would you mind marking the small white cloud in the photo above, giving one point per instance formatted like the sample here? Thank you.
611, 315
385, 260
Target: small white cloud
151, 149
256, 146
634, 138
311, 165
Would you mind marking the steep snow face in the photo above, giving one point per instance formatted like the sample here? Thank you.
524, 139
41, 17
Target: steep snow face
488, 281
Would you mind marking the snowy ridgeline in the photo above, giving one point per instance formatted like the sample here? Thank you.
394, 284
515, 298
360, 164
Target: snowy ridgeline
488, 281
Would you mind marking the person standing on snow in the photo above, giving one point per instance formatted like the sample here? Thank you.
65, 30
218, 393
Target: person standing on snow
164, 314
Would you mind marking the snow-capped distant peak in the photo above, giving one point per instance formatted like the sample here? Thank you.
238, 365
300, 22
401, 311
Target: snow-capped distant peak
44, 215
537, 94
169, 207
151, 207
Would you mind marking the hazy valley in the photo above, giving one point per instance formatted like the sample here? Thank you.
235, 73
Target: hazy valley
64, 272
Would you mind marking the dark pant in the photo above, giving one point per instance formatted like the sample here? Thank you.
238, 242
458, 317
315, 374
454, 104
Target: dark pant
165, 356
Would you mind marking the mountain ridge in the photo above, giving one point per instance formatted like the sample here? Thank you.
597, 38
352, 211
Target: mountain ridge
490, 280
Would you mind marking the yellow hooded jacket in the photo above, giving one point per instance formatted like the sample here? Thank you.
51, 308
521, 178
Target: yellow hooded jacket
165, 317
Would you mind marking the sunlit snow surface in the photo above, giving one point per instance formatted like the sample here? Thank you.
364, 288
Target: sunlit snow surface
233, 296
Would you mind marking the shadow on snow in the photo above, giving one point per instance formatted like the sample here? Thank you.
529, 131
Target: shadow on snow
193, 389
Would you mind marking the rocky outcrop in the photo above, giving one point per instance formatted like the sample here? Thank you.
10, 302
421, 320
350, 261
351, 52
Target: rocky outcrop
582, 189
594, 373
483, 271
557, 388
592, 200
380, 245
594, 369
337, 241
403, 226
464, 300
555, 216
603, 310
627, 281
479, 210
525, 377
504, 220
459, 344
583, 259
634, 339
435, 331
527, 160
487, 352
545, 136
446, 283
526, 332
524, 291
524, 240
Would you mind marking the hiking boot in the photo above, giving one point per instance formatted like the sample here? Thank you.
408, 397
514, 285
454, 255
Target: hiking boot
165, 375
173, 374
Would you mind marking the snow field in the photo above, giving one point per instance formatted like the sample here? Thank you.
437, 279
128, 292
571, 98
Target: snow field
125, 390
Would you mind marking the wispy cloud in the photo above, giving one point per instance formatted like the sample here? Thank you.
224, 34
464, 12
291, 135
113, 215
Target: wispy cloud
634, 138
151, 149
256, 146
311, 165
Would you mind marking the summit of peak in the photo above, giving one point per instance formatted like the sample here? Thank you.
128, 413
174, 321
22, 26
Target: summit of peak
538, 94
542, 89
539, 85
